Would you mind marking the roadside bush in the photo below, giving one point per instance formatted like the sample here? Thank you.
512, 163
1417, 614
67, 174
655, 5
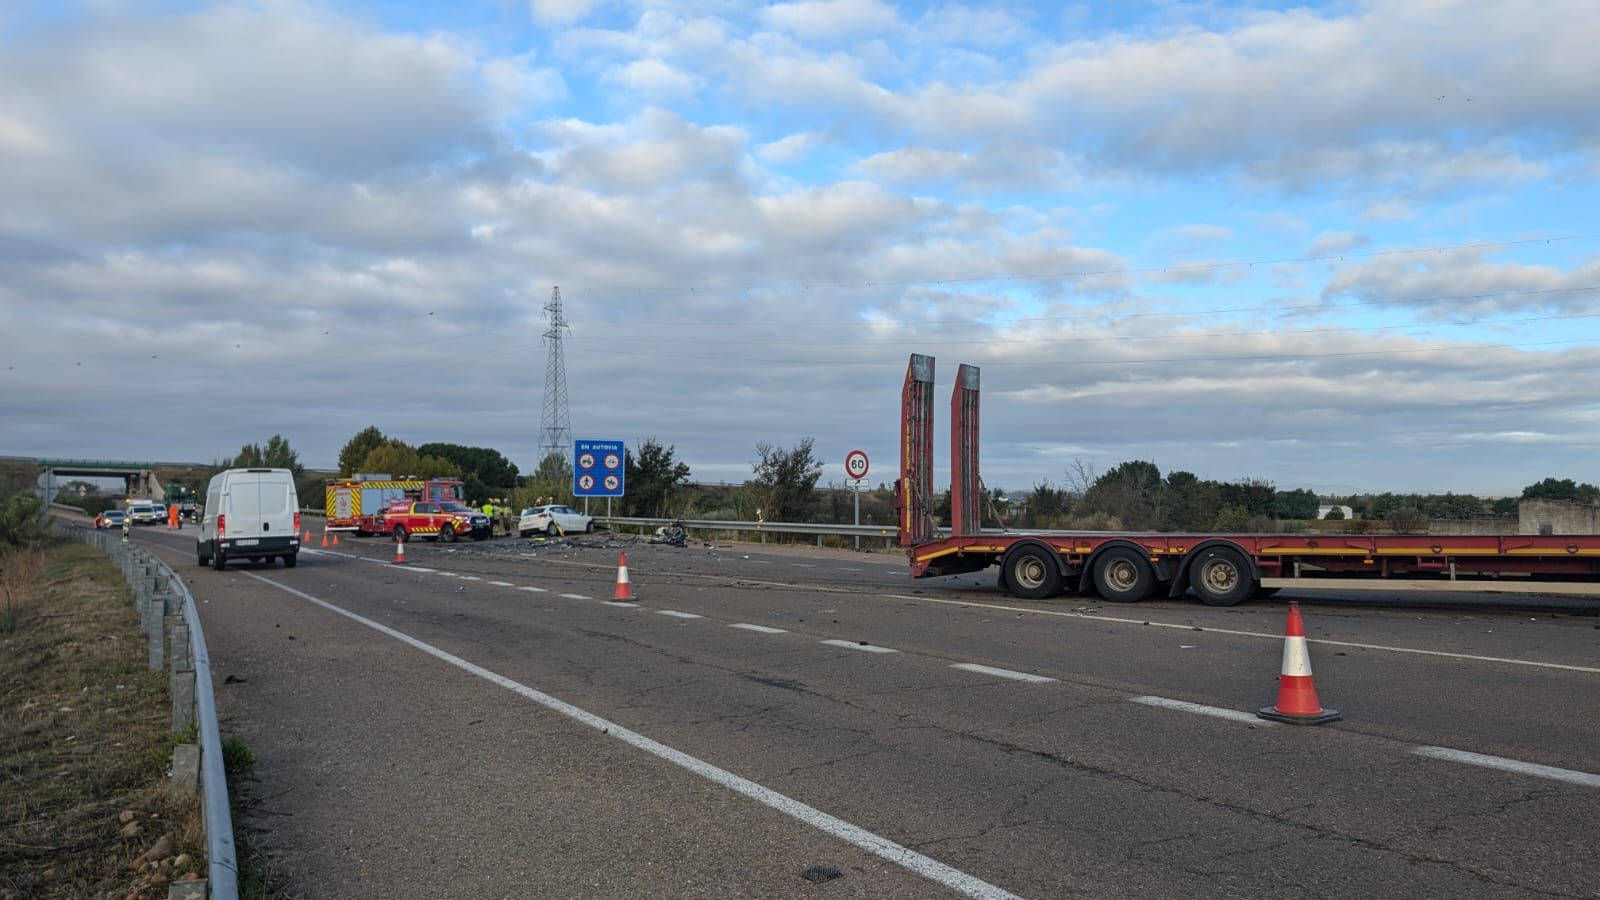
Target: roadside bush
20, 524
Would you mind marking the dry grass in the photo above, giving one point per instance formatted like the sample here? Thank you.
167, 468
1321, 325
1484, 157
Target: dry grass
84, 736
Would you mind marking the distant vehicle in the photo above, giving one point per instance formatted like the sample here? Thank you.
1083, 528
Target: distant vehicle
480, 522
184, 498
111, 518
250, 514
144, 512
553, 519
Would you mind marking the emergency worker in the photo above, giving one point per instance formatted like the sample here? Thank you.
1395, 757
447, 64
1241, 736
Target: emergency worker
172, 517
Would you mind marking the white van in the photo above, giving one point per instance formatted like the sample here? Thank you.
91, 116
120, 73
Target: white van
250, 514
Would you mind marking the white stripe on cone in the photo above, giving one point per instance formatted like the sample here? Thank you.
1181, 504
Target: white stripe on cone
1296, 661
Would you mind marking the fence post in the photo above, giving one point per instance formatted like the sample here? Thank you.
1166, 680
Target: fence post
182, 677
158, 621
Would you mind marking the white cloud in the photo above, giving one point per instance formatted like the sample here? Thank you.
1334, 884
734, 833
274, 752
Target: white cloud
654, 78
792, 148
833, 20
560, 12
1329, 243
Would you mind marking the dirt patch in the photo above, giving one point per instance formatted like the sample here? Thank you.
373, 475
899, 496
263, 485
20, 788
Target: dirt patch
85, 740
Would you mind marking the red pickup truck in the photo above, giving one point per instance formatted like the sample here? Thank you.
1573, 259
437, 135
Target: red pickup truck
444, 520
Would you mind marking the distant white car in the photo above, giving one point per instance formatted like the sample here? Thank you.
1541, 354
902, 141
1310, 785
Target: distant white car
143, 512
553, 519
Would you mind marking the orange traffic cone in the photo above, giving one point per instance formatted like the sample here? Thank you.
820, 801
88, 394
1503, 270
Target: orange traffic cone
336, 538
324, 538
399, 553
1297, 694
307, 539
624, 587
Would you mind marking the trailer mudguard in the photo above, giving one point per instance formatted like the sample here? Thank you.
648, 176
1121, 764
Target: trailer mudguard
1180, 583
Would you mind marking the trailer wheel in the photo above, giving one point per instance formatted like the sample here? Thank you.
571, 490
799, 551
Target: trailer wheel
1221, 577
1032, 574
1121, 575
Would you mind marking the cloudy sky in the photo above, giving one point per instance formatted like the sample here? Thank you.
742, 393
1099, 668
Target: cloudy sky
1345, 246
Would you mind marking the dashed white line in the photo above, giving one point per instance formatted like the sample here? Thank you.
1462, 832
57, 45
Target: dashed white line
1572, 776
531, 590
422, 569
575, 596
502, 584
852, 645
882, 847
804, 565
680, 615
622, 603
470, 578
1213, 711
1239, 633
760, 628
1002, 673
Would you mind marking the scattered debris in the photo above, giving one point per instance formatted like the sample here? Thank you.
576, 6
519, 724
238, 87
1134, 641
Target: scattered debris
821, 873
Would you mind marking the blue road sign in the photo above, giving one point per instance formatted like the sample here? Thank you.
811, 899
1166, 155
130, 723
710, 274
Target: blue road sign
597, 469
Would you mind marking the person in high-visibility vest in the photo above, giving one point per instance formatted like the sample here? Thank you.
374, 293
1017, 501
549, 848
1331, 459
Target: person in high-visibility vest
488, 510
172, 517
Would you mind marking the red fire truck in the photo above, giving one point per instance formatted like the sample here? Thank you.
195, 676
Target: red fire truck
1221, 569
355, 504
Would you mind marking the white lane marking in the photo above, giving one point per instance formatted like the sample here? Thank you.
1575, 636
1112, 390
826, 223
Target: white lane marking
870, 648
1215, 711
882, 847
760, 628
622, 603
447, 574
421, 569
1510, 765
1255, 634
680, 615
804, 565
502, 584
764, 562
470, 578
846, 569
575, 596
531, 590
1002, 673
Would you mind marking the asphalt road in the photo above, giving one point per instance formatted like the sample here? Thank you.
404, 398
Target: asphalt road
481, 723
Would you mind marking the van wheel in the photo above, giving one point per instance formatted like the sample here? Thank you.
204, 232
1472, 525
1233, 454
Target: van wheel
399, 533
289, 559
200, 551
218, 560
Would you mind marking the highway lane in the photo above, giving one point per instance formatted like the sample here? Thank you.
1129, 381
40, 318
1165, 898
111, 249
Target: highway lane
1043, 788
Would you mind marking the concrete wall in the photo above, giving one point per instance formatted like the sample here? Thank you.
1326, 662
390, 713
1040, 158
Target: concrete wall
1485, 525
1558, 517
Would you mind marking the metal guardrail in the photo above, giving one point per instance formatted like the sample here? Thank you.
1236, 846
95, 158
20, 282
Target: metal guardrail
889, 533
162, 595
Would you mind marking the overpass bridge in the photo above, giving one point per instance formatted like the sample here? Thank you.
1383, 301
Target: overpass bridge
138, 478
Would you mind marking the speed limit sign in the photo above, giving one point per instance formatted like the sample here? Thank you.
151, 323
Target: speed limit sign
855, 464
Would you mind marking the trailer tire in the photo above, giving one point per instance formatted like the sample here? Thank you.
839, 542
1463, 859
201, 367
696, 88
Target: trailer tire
1221, 577
1032, 573
1122, 575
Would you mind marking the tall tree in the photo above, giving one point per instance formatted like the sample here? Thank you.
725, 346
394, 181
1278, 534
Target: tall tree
1132, 492
277, 455
487, 465
788, 478
1561, 489
355, 451
652, 477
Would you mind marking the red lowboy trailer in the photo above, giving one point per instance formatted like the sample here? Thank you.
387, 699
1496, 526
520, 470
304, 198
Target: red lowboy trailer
1221, 569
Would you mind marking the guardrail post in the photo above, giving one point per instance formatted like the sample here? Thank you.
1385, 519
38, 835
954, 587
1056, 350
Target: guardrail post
182, 678
158, 621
